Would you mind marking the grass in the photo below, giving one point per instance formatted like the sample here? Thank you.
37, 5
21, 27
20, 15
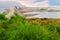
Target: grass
19, 28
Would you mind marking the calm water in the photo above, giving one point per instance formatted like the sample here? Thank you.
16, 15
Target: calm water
42, 14
2, 10
48, 14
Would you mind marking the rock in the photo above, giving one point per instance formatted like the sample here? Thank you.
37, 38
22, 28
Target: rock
10, 13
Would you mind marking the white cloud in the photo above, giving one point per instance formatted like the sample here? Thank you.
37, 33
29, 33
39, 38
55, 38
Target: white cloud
29, 3
8, 0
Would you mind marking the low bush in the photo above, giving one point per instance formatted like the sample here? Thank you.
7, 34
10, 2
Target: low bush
19, 28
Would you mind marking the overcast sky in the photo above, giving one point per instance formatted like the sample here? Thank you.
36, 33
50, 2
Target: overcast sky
37, 3
34, 3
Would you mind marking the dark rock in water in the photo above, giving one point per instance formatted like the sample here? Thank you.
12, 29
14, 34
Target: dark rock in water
44, 18
26, 15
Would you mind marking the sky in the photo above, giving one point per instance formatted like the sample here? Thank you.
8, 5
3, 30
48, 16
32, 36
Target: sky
31, 3
9, 4
34, 3
54, 2
37, 3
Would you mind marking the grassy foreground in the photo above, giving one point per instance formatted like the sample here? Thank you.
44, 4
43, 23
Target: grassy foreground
19, 28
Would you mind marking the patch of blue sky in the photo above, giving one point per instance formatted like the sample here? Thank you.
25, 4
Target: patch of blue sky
54, 2
38, 1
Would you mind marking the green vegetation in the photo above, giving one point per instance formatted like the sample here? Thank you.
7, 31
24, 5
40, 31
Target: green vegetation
19, 28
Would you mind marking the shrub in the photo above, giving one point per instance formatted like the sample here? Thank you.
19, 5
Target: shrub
18, 28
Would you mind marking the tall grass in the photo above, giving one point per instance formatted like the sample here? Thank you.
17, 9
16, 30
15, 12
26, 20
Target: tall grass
19, 28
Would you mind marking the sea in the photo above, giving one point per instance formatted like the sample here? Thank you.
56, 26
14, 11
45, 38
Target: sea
42, 14
2, 10
46, 14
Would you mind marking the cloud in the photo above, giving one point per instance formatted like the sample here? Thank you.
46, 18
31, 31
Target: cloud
29, 3
9, 0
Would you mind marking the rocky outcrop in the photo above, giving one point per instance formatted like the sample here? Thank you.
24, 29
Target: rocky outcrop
10, 12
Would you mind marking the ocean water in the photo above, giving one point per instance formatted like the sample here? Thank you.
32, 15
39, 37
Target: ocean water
40, 14
50, 14
2, 10
47, 14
